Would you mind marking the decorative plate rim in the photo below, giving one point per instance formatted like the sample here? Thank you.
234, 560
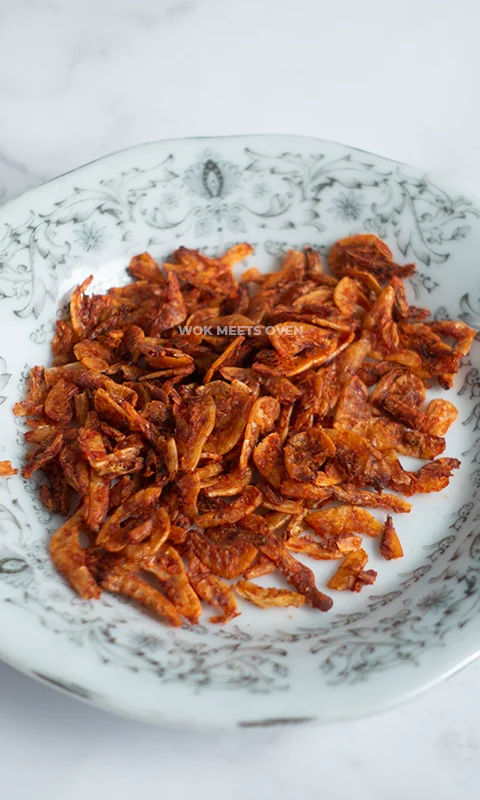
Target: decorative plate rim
232, 137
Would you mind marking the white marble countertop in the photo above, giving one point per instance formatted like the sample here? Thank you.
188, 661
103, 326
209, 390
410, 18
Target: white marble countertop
80, 80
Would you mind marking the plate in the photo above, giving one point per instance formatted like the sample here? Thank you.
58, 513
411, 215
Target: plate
420, 621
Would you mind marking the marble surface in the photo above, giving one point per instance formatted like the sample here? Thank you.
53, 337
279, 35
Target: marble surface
80, 80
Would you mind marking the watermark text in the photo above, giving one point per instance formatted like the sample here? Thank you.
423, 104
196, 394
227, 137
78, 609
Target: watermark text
238, 330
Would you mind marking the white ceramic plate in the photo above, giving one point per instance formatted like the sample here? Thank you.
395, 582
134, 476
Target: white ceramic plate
420, 620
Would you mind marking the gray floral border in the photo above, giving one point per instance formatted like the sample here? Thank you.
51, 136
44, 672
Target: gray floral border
288, 191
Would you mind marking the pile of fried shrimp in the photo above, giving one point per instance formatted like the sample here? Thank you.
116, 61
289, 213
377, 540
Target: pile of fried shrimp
194, 459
